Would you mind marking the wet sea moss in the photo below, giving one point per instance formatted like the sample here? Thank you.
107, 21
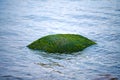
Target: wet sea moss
61, 43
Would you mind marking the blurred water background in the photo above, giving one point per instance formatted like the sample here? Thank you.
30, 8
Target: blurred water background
23, 21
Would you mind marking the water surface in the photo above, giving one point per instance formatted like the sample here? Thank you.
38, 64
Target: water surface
23, 21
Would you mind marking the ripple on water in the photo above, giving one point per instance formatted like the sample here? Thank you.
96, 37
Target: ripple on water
25, 21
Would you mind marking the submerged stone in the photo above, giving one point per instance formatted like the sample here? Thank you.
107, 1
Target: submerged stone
106, 77
61, 43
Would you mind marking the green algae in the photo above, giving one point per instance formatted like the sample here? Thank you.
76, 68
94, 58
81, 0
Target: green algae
61, 43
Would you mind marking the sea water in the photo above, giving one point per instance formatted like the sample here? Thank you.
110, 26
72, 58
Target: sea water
24, 21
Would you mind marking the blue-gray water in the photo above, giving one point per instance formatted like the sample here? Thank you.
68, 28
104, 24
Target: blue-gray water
23, 21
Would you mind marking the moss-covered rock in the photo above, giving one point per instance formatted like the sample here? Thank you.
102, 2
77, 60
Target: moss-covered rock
61, 43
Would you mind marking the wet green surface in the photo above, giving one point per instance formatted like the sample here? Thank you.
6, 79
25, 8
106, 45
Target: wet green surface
61, 43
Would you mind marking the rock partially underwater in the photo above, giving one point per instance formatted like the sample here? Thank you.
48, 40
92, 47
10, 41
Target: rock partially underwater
61, 43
